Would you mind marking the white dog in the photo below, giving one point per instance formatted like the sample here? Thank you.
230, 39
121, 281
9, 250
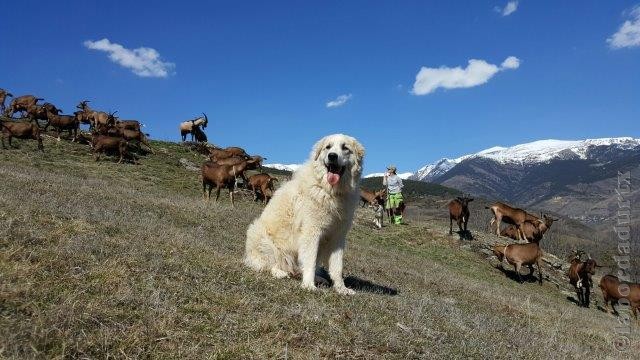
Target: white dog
305, 223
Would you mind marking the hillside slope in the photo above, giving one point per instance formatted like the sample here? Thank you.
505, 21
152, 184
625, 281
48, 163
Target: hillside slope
103, 260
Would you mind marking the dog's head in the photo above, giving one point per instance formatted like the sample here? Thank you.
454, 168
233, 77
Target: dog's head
338, 160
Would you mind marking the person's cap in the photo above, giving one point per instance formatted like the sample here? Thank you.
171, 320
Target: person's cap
391, 168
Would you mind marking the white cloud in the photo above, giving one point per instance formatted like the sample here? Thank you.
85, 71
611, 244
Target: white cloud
476, 73
339, 101
628, 35
143, 61
509, 9
511, 62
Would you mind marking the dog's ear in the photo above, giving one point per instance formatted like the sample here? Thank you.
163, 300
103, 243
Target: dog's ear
358, 149
317, 148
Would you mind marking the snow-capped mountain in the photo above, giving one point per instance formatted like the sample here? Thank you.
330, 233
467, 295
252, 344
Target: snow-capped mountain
574, 178
402, 175
537, 152
285, 167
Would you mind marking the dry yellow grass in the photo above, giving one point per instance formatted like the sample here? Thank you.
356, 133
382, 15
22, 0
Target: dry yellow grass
101, 260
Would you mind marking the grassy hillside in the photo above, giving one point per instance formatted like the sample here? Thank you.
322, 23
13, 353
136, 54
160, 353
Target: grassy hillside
103, 260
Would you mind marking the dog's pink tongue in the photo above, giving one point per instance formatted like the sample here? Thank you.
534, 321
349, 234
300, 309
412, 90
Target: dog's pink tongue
333, 178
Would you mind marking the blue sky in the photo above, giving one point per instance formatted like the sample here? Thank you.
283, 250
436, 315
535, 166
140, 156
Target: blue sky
265, 71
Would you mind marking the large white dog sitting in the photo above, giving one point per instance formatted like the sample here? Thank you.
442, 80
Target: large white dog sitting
305, 223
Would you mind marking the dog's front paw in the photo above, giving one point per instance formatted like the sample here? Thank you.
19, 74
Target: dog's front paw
279, 274
345, 291
310, 287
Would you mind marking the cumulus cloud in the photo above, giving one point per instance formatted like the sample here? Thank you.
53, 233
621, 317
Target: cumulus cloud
143, 61
511, 62
628, 35
476, 73
508, 9
339, 101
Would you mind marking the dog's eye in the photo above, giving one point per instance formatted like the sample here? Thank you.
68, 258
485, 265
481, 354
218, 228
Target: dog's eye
344, 147
328, 147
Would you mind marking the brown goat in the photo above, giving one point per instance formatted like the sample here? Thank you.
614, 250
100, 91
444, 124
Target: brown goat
580, 277
219, 154
459, 211
261, 184
250, 164
614, 290
514, 216
96, 117
520, 254
20, 130
21, 103
533, 230
128, 124
63, 122
372, 198
105, 143
127, 134
222, 176
237, 151
3, 96
39, 112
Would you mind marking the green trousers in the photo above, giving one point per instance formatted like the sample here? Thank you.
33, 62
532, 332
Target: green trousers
393, 202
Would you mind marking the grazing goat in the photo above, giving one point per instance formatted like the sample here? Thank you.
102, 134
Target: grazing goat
237, 151
222, 176
127, 134
614, 290
261, 184
187, 127
21, 103
3, 96
128, 124
249, 164
520, 254
105, 143
533, 230
216, 154
20, 130
580, 277
62, 122
514, 216
459, 211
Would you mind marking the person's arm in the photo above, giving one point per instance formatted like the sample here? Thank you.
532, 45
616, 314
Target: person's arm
400, 184
384, 179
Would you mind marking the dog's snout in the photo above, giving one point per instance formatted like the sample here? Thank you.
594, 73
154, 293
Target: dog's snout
333, 157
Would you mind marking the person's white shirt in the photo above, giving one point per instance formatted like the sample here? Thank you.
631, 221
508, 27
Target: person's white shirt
394, 181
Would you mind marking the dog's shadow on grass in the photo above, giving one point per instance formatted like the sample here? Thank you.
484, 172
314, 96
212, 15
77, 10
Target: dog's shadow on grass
355, 283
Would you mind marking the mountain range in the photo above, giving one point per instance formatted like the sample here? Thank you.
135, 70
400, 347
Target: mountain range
574, 178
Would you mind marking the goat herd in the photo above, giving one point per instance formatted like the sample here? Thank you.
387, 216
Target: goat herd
530, 228
226, 167
110, 134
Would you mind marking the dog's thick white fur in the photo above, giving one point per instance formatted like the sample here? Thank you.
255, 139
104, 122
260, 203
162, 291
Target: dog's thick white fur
305, 223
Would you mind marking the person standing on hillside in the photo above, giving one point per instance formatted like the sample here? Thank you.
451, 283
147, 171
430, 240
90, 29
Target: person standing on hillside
395, 202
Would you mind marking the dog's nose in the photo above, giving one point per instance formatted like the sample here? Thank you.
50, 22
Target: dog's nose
333, 157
